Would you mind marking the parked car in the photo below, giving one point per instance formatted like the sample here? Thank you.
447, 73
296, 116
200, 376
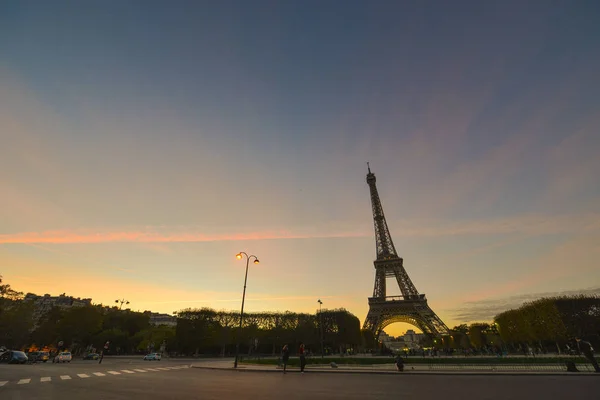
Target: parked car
152, 357
63, 357
91, 356
38, 356
13, 357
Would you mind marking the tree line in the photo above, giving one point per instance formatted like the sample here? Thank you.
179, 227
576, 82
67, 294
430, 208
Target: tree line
198, 331
207, 331
543, 324
551, 322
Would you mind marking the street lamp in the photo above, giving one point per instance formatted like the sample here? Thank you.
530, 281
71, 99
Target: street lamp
237, 346
122, 301
321, 326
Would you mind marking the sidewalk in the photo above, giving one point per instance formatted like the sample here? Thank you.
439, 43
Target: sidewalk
387, 369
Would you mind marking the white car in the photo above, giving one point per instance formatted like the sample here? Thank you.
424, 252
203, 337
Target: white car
152, 357
63, 357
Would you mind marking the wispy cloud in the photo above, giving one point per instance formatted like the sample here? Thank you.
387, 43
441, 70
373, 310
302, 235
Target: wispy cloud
526, 224
66, 237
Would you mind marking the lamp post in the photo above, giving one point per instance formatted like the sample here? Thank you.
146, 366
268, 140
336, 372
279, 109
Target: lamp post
237, 346
122, 301
321, 326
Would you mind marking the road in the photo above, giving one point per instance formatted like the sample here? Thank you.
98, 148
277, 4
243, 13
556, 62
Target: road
173, 379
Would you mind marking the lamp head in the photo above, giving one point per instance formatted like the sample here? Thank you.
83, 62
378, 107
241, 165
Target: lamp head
238, 256
256, 261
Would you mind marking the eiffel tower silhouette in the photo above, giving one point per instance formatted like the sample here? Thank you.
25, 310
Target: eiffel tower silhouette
411, 307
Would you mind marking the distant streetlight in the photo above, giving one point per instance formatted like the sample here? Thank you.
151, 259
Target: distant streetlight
321, 326
237, 346
121, 302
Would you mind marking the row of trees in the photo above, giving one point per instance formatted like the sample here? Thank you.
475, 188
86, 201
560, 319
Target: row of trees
209, 331
198, 331
552, 321
541, 324
79, 328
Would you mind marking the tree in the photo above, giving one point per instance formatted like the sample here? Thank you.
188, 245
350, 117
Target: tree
16, 321
152, 338
47, 333
79, 325
6, 292
476, 334
551, 321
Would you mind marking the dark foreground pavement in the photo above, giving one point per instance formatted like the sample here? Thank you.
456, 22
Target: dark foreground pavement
181, 382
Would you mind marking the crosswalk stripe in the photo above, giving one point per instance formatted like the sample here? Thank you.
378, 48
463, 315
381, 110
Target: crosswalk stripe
151, 369
139, 370
2, 383
99, 374
83, 375
163, 369
45, 379
24, 381
114, 372
127, 371
65, 377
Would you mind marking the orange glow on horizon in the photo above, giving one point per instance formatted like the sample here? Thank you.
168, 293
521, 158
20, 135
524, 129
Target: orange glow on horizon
67, 237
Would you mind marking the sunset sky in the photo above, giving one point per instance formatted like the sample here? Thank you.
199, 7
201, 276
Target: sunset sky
144, 143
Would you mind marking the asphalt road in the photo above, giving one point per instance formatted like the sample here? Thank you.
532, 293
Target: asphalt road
174, 380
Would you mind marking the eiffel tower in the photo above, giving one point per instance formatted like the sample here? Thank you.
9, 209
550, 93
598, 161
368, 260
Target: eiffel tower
411, 307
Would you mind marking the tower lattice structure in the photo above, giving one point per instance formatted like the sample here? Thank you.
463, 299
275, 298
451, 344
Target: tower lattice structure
411, 307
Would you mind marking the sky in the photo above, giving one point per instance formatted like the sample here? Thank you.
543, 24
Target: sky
145, 143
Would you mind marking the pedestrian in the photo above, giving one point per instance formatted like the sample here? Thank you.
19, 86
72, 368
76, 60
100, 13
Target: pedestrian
588, 351
302, 357
285, 356
399, 363
101, 357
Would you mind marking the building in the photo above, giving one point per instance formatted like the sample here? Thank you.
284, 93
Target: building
43, 304
161, 319
385, 339
412, 340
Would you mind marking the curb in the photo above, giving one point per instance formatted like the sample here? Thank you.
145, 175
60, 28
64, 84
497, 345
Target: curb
448, 373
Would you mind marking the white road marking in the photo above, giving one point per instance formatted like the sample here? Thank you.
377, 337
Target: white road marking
114, 372
151, 369
163, 369
83, 375
45, 379
139, 370
127, 371
99, 374
65, 377
24, 381
2, 383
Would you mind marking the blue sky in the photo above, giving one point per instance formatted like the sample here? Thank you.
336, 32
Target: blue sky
180, 133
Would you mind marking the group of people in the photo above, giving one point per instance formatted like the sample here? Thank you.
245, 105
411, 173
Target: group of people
285, 357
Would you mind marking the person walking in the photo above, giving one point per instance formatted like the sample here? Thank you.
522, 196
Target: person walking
586, 349
285, 356
302, 357
399, 363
